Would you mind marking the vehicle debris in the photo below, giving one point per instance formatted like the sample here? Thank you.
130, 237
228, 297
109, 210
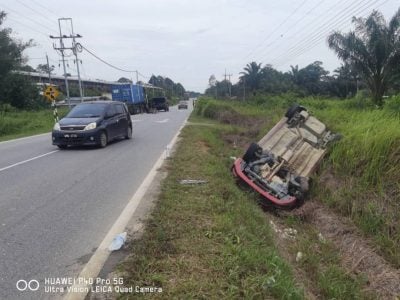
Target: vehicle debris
321, 238
117, 242
280, 164
299, 256
192, 181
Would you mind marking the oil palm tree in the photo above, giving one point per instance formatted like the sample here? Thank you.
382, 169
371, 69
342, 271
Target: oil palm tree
252, 76
373, 49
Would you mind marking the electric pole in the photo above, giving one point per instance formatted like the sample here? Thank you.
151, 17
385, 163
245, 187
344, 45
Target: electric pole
48, 69
74, 48
228, 82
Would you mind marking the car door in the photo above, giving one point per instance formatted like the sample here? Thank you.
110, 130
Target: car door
111, 122
122, 120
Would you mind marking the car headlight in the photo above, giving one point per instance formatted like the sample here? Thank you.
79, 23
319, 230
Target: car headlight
56, 126
90, 126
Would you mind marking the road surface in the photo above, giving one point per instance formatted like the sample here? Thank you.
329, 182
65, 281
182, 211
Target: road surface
56, 206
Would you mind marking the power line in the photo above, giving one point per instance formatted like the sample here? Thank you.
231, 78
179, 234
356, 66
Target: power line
30, 27
317, 38
293, 25
341, 15
37, 12
339, 18
276, 28
110, 65
29, 18
44, 7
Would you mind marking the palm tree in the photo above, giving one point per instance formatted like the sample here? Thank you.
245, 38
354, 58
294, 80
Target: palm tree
252, 76
294, 74
373, 49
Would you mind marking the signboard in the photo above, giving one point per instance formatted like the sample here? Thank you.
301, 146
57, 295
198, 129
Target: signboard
51, 93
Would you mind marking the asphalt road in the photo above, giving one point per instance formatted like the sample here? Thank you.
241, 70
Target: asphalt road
56, 206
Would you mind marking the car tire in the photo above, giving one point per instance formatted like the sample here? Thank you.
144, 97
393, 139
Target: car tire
103, 140
128, 134
62, 146
295, 108
252, 153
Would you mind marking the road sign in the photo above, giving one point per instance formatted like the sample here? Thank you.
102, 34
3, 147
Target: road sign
51, 93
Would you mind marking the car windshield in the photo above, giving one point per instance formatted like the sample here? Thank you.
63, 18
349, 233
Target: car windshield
87, 110
159, 100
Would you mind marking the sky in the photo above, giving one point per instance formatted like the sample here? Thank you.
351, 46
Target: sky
186, 40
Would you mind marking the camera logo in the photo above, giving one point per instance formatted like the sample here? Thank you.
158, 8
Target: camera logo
23, 285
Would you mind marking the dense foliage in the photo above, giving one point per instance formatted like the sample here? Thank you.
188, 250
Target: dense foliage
373, 50
15, 90
171, 88
370, 54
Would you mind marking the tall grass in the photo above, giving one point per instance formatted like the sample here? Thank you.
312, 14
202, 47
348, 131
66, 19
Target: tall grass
364, 163
14, 123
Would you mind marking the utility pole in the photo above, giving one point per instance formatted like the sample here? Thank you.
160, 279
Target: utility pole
228, 82
62, 49
75, 50
244, 88
230, 85
48, 69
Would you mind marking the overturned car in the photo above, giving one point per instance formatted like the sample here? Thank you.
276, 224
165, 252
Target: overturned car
280, 164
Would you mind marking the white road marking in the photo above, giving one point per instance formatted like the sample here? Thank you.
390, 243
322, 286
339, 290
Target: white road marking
163, 121
24, 138
136, 120
100, 256
28, 160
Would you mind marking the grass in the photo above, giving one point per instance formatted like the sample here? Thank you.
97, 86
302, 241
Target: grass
364, 164
321, 264
208, 241
212, 241
16, 124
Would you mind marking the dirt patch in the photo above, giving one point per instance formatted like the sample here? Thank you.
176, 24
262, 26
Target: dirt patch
329, 180
357, 255
283, 241
243, 139
203, 147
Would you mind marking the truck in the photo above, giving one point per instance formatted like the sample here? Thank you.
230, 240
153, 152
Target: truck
134, 96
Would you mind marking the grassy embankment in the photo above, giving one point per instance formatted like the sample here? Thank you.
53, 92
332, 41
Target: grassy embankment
16, 124
364, 164
210, 241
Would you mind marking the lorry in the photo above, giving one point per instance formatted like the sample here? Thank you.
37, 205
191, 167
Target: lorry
134, 96
279, 165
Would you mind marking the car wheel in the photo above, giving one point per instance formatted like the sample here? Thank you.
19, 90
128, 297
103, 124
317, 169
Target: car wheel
62, 146
295, 108
103, 139
252, 153
128, 134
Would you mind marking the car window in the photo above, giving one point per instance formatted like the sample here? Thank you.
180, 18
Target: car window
111, 111
87, 110
120, 109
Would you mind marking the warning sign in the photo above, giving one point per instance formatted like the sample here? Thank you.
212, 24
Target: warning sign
51, 93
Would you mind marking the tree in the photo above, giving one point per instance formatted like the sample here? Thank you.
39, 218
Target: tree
44, 68
373, 49
124, 80
252, 76
10, 50
14, 88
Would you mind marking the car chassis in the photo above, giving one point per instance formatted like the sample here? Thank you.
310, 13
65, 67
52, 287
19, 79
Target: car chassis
279, 166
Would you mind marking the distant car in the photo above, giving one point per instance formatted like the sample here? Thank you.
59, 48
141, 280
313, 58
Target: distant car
93, 123
160, 103
183, 104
